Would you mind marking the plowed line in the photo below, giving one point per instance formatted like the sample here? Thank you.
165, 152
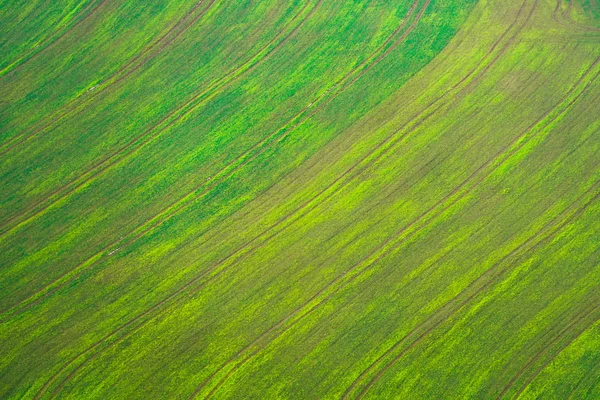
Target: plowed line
156, 306
173, 208
73, 107
581, 317
303, 206
132, 321
148, 224
129, 323
295, 211
518, 146
491, 280
135, 144
50, 41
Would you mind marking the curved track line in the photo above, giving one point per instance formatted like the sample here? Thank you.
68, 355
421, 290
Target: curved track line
304, 206
519, 143
160, 127
73, 107
566, 14
52, 39
297, 310
110, 335
558, 13
131, 322
156, 306
149, 223
581, 317
124, 326
185, 201
458, 307
422, 114
563, 17
93, 261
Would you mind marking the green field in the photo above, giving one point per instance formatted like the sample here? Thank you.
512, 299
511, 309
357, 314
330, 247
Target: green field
301, 199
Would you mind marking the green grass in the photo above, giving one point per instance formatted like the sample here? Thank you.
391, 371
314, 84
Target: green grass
306, 199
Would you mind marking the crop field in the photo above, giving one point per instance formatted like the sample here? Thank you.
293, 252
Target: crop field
300, 199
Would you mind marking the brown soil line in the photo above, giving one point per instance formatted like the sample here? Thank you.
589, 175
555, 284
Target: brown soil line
100, 166
492, 279
73, 107
581, 317
34, 53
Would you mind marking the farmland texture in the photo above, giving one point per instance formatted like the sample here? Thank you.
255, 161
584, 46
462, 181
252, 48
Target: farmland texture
303, 199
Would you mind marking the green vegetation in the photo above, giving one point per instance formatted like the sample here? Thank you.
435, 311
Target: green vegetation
300, 199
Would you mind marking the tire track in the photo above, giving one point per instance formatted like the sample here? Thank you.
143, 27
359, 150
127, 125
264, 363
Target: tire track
288, 319
518, 144
563, 17
95, 259
557, 9
147, 225
566, 14
88, 11
122, 73
556, 15
197, 280
180, 204
263, 336
420, 118
290, 316
304, 206
574, 324
129, 323
454, 309
161, 126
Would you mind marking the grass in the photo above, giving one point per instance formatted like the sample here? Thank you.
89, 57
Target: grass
306, 199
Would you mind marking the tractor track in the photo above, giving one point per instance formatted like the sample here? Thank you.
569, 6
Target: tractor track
305, 204
118, 76
453, 311
518, 146
156, 306
561, 335
291, 315
161, 126
143, 228
88, 11
167, 212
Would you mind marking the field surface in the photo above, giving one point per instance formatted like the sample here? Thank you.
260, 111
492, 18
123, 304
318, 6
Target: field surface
300, 199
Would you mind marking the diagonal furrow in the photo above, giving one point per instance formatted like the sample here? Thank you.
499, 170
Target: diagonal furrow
90, 9
421, 116
112, 338
157, 129
290, 315
309, 307
399, 161
148, 224
120, 329
452, 307
517, 144
569, 328
416, 121
78, 103
174, 207
304, 206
